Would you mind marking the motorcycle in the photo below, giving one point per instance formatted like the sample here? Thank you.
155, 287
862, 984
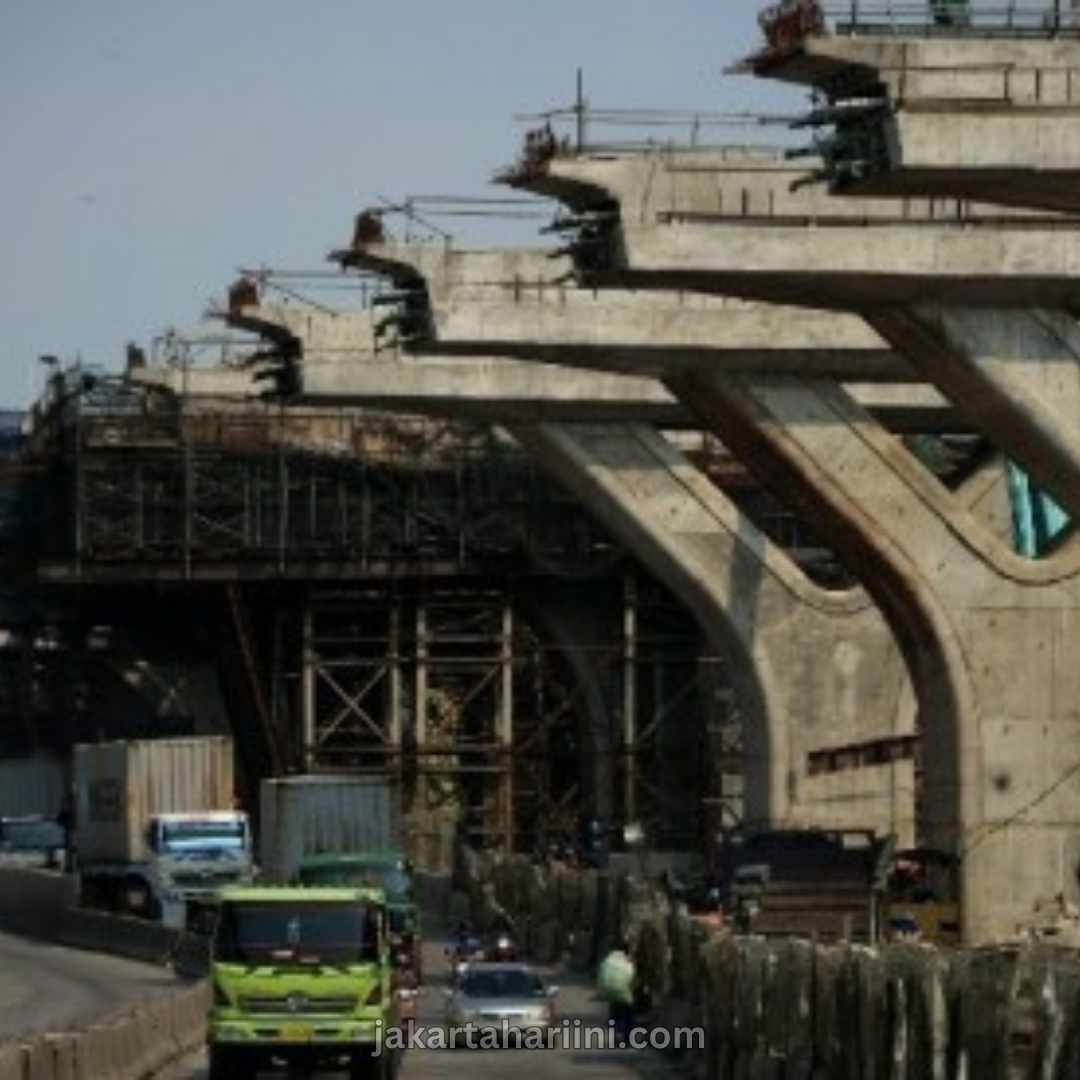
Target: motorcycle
459, 954
502, 949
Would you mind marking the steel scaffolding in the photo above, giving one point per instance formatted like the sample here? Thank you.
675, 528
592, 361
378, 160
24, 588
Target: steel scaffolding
370, 583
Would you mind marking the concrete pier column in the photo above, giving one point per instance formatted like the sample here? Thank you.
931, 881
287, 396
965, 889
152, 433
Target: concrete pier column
814, 669
992, 641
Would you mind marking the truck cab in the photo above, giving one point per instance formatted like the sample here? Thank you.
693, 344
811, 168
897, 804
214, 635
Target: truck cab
390, 871
192, 856
301, 979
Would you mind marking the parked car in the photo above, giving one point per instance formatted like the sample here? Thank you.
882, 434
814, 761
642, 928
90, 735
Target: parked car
500, 998
32, 840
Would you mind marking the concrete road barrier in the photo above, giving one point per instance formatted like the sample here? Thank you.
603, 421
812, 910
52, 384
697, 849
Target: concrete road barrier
38, 903
32, 900
11, 1063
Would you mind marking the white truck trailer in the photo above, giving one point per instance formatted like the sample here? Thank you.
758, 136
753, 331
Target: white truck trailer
156, 831
324, 814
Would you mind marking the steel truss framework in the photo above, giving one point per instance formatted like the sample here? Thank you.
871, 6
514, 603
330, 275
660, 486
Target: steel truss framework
450, 691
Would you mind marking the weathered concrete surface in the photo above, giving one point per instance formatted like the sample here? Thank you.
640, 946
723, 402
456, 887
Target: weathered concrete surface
1037, 266
757, 184
1015, 374
813, 669
1003, 807
496, 390
981, 307
523, 302
990, 639
994, 119
487, 320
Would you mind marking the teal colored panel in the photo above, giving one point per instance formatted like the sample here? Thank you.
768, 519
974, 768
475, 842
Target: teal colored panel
1037, 519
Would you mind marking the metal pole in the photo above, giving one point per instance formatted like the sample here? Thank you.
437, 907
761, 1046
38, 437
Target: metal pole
505, 734
394, 692
579, 111
420, 717
629, 705
422, 795
307, 690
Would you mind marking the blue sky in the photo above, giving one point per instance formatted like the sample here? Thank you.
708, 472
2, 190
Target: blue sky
152, 147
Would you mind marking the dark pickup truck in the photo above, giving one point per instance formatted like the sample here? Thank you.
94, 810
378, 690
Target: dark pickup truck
827, 885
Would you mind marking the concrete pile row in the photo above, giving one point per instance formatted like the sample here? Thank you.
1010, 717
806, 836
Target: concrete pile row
790, 1008
786, 1008
139, 1043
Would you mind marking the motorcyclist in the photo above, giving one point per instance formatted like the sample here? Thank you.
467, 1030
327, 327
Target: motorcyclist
460, 949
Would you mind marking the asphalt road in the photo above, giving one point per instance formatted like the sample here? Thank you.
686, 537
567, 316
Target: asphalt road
47, 988
574, 1002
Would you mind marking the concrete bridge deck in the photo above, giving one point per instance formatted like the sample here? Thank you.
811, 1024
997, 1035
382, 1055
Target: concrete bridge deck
988, 108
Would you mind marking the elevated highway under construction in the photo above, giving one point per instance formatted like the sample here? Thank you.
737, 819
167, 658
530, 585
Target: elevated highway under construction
728, 511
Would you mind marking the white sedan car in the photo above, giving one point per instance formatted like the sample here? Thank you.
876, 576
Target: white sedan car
500, 998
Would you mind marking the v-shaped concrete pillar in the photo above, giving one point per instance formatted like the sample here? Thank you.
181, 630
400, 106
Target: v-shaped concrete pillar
814, 669
954, 596
990, 639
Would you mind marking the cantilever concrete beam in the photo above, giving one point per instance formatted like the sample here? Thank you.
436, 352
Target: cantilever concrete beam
981, 308
506, 298
995, 119
484, 389
476, 388
704, 223
752, 186
854, 269
517, 304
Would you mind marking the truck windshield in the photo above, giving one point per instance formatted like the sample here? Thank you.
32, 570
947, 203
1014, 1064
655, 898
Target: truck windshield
180, 837
297, 933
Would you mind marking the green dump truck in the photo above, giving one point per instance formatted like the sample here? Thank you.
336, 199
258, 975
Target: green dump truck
301, 980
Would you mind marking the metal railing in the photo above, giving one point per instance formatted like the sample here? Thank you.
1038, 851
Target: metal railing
573, 132
1013, 18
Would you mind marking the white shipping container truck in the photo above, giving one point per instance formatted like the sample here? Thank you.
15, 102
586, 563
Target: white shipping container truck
156, 831
324, 814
